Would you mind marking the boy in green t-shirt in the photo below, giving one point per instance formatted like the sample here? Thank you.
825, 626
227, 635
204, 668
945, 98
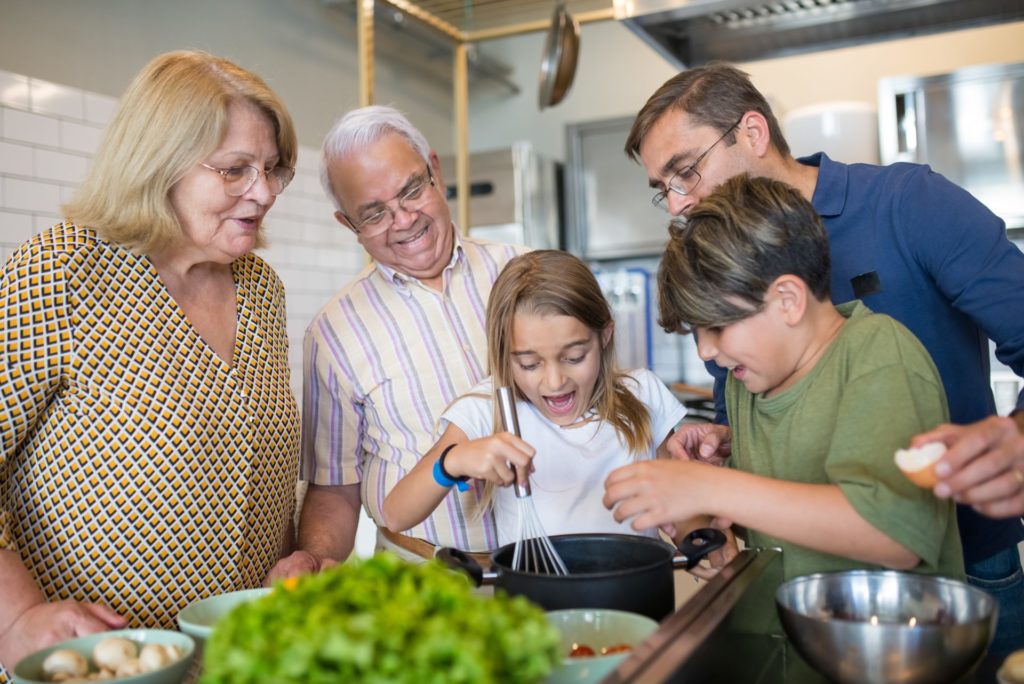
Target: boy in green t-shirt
819, 398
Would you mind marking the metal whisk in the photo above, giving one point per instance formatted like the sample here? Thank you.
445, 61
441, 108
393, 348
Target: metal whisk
533, 551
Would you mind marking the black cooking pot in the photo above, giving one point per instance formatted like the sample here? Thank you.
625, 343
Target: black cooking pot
618, 571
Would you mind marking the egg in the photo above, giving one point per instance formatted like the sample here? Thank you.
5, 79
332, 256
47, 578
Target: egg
64, 664
918, 463
1012, 671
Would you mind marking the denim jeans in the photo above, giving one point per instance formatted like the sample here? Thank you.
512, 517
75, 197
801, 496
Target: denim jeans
1002, 577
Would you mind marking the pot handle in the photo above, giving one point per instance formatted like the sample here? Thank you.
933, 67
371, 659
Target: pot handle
459, 560
696, 545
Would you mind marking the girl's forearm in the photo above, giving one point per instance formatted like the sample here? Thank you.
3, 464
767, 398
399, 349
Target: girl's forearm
812, 515
415, 496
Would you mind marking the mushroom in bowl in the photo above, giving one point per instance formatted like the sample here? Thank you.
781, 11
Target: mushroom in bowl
126, 656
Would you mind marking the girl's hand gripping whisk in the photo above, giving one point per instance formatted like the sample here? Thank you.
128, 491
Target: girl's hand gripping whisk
533, 551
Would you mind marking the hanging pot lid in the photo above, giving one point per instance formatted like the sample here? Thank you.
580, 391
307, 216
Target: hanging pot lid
558, 65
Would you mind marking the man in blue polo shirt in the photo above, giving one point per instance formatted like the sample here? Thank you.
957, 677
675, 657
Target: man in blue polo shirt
908, 243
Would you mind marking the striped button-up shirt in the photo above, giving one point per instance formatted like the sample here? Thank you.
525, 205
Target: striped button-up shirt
383, 360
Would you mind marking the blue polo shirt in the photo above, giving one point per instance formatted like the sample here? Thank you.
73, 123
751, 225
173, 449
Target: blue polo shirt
911, 244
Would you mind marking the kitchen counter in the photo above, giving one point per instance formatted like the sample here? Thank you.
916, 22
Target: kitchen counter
728, 631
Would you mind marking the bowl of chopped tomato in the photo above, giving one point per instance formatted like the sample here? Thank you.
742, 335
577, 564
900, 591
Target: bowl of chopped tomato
595, 640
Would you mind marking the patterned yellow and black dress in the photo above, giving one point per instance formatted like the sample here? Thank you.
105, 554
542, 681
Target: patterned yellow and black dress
137, 468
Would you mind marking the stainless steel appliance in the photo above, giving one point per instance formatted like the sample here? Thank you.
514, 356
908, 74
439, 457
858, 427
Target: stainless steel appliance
514, 196
611, 222
968, 125
691, 32
609, 214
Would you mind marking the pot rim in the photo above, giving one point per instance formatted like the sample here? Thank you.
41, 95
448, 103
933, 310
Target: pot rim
635, 539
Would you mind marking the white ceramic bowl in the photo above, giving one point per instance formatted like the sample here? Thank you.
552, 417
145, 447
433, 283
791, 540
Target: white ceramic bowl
198, 618
597, 628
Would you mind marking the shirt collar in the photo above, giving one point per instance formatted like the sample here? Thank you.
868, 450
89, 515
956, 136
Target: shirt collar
403, 280
829, 198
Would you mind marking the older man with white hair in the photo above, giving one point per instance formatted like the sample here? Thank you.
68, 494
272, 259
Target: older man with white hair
393, 348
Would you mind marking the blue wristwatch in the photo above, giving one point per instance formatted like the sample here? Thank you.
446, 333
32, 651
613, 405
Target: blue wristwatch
442, 477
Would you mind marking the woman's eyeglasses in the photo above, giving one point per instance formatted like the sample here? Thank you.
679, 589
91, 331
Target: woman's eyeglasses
238, 179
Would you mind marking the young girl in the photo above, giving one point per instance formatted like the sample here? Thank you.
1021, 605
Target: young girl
549, 332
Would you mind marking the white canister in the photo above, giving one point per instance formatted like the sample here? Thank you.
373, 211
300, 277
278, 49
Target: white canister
845, 131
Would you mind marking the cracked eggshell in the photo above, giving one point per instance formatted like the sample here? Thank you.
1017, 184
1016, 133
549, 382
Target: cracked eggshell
918, 463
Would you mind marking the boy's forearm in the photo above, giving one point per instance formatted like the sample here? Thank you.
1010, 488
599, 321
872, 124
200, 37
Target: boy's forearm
812, 515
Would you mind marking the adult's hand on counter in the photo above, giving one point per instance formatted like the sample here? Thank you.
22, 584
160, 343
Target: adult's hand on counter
704, 442
983, 465
45, 624
295, 564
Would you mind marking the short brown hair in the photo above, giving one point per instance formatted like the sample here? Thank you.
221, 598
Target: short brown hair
172, 115
718, 266
716, 94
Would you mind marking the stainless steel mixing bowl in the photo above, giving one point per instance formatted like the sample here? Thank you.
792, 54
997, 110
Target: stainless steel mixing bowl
880, 627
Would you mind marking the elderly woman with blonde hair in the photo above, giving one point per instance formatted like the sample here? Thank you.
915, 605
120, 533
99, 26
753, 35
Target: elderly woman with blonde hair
149, 439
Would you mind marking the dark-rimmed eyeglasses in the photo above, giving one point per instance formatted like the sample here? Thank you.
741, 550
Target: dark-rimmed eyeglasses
238, 179
381, 216
686, 179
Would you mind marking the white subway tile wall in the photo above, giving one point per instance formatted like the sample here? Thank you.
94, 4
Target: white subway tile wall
48, 134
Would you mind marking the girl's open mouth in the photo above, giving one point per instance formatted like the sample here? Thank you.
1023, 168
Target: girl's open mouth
561, 404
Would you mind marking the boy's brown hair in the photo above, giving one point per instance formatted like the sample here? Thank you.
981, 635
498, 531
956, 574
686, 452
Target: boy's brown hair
718, 265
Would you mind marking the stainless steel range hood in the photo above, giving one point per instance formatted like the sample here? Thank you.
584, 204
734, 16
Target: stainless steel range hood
692, 32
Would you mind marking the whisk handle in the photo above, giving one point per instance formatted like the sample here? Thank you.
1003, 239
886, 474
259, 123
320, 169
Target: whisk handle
510, 423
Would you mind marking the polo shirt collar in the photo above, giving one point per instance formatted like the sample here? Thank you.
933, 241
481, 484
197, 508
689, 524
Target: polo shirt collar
830, 191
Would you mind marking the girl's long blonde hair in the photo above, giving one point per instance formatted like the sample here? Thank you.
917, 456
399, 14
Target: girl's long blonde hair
552, 282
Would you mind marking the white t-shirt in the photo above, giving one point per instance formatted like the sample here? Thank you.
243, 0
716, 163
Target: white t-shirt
571, 463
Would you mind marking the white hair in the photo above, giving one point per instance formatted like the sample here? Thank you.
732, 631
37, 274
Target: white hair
360, 128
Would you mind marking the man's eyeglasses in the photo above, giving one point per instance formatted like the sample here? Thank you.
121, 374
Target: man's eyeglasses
238, 179
686, 179
411, 199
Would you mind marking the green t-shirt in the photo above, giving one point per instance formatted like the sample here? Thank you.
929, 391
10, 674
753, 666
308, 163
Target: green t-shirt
873, 389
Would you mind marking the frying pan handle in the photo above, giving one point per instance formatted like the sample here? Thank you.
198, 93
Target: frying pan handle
459, 560
696, 545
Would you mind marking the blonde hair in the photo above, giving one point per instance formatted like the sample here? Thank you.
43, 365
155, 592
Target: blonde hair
173, 114
552, 282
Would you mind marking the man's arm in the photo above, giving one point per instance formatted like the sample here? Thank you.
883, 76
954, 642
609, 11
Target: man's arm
330, 516
983, 465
